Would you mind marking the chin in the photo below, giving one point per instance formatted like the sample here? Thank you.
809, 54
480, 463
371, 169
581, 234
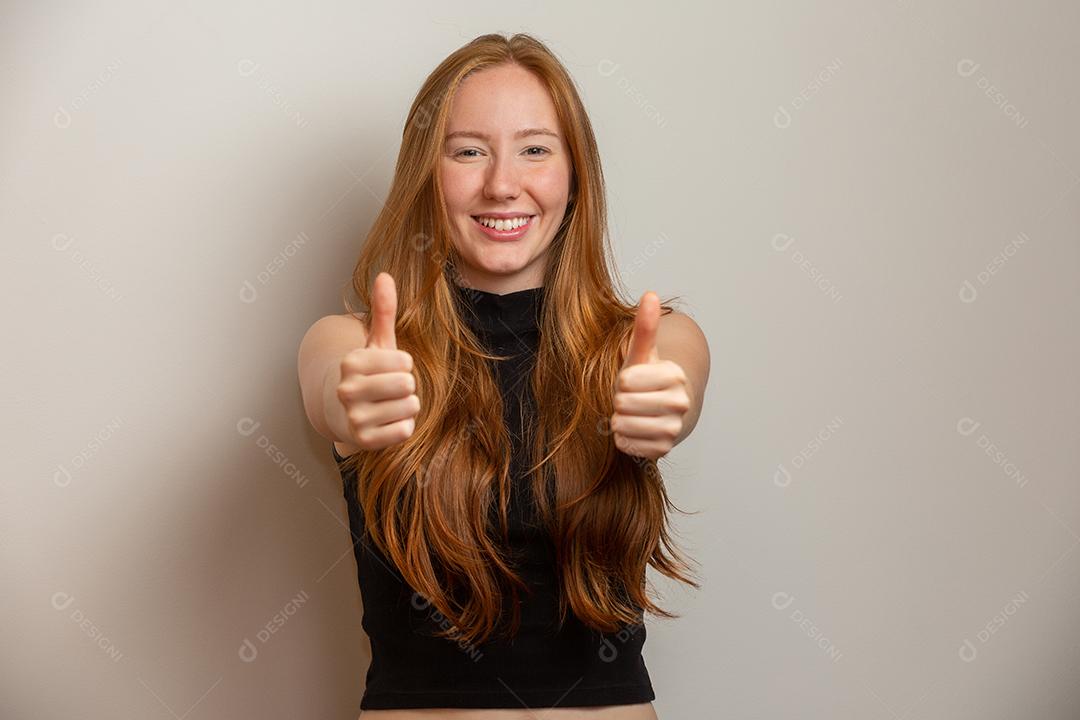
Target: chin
498, 258
508, 268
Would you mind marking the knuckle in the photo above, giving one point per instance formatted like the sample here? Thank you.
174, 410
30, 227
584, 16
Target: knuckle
680, 401
351, 391
350, 388
350, 363
674, 428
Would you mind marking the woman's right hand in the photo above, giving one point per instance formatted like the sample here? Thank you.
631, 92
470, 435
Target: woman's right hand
378, 388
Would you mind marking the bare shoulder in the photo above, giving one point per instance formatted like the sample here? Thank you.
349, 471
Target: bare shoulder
329, 334
681, 339
680, 326
347, 323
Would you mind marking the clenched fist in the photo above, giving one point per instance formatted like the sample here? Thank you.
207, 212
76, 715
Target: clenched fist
651, 399
378, 388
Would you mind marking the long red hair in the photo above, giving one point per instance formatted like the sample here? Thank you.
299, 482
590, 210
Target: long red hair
430, 502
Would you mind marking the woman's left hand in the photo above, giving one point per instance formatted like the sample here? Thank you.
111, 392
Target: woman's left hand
651, 399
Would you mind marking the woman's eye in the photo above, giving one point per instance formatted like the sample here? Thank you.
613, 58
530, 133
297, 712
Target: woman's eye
543, 151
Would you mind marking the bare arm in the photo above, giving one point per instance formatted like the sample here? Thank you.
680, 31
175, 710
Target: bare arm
681, 340
324, 345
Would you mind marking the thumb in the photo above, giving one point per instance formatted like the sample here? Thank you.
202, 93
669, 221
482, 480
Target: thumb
643, 336
383, 313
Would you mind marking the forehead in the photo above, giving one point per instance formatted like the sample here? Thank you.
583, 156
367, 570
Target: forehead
500, 101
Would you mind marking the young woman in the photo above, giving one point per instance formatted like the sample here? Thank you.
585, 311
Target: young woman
497, 412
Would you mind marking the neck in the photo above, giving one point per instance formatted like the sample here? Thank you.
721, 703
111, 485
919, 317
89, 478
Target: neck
508, 317
498, 284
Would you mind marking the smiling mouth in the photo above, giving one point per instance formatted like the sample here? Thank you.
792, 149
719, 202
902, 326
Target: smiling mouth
508, 233
506, 227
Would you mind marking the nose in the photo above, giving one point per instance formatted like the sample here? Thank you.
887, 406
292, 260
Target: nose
502, 180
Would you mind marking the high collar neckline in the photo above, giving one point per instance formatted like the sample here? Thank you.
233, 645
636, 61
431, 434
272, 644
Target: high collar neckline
507, 317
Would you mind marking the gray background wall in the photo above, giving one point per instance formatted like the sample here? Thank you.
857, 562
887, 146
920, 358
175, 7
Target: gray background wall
871, 209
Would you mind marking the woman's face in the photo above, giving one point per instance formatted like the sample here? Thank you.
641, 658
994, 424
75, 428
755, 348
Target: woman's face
489, 167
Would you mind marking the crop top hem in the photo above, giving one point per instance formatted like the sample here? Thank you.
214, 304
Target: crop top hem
530, 699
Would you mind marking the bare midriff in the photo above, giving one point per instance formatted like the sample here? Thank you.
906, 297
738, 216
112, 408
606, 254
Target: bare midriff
640, 711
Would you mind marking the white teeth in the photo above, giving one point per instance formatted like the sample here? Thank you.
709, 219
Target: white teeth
503, 225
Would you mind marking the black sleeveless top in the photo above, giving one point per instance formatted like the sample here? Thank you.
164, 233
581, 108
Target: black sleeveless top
542, 665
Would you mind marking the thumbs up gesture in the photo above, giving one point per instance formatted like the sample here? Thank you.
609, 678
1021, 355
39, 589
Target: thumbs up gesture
651, 398
378, 388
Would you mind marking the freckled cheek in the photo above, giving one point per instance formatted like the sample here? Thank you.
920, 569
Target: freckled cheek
460, 189
551, 186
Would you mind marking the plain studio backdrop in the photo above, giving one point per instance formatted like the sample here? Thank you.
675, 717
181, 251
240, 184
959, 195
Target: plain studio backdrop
871, 209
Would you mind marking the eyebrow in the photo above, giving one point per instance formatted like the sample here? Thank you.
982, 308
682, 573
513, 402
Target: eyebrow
527, 132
